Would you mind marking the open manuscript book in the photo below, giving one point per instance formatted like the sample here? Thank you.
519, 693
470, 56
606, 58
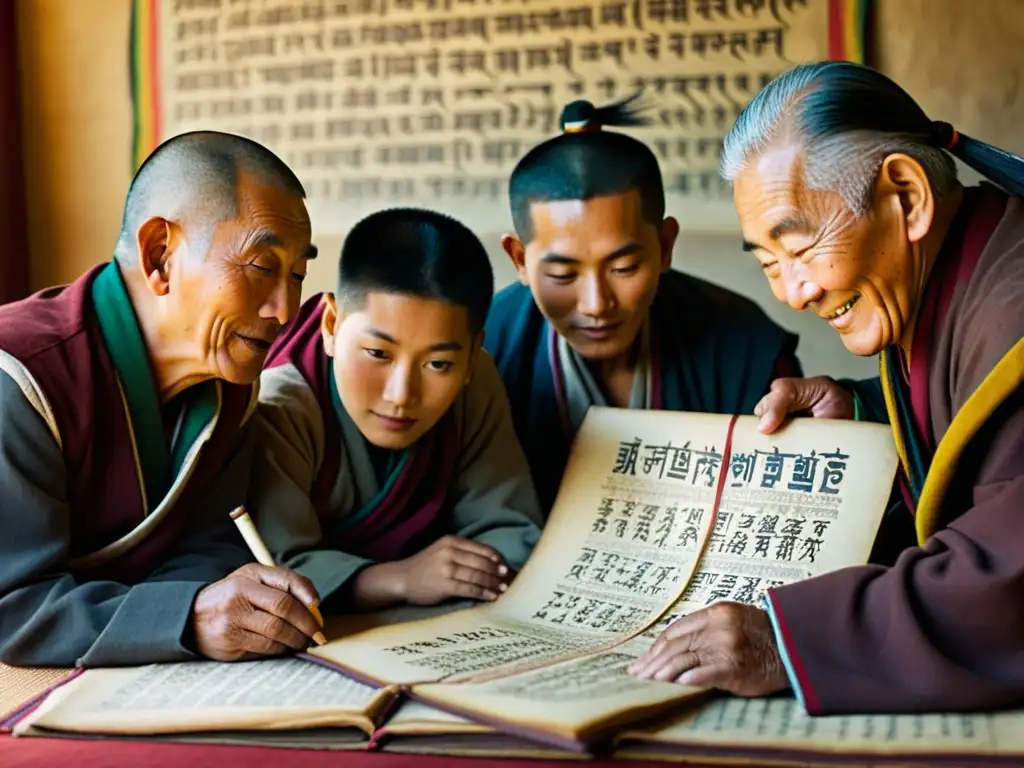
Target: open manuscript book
659, 514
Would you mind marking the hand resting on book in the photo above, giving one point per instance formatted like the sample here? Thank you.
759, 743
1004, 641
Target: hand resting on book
255, 611
451, 567
730, 646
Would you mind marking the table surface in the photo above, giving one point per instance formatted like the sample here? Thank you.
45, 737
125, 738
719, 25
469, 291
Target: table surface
102, 753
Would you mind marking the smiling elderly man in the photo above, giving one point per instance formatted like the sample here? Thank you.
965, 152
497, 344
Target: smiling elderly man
848, 197
124, 445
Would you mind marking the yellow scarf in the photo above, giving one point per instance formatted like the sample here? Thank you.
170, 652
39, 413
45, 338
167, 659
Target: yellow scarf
1001, 382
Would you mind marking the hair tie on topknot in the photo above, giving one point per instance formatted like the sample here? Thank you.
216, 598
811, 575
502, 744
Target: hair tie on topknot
579, 117
944, 135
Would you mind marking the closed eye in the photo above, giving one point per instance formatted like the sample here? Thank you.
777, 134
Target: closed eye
626, 270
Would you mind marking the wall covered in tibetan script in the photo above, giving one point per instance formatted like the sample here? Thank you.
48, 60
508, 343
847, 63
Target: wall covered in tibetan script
959, 60
380, 102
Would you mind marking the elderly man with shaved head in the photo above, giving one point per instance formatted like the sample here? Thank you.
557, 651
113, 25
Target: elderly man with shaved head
125, 404
848, 197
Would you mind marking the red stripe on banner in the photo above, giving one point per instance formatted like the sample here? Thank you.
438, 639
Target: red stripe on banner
836, 38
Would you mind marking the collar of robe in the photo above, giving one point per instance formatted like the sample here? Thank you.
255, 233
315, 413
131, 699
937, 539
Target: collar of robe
577, 388
371, 485
158, 461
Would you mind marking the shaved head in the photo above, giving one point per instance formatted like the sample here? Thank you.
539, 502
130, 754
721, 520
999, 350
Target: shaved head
192, 179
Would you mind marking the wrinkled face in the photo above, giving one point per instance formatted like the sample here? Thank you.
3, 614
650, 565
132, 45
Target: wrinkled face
399, 363
230, 303
856, 273
593, 267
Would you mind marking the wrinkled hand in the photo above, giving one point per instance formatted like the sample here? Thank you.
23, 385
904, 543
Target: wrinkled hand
822, 396
727, 645
256, 611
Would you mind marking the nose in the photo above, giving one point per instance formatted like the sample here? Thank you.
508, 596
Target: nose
800, 291
280, 304
402, 387
595, 298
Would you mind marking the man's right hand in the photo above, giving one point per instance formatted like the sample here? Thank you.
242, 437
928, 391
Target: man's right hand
256, 611
822, 397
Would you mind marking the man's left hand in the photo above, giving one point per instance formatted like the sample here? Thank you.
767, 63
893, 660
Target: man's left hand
730, 646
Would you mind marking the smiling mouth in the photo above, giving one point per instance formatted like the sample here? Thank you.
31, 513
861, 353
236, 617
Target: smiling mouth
839, 312
256, 345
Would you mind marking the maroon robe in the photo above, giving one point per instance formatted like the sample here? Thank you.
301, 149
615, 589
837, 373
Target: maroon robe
943, 628
108, 532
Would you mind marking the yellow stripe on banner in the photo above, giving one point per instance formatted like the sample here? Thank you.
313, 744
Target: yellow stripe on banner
145, 96
1001, 382
852, 28
141, 86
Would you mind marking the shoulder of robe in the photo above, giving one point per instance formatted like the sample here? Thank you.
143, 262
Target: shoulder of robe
289, 408
49, 318
481, 396
512, 314
33, 393
990, 320
285, 387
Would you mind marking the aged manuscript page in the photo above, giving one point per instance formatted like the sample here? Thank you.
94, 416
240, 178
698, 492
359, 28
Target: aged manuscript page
632, 531
588, 585
271, 694
806, 501
783, 724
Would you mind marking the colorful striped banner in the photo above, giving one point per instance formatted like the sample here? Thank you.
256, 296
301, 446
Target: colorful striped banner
848, 30
144, 70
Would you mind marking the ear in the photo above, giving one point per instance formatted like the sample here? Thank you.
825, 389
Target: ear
154, 244
329, 319
667, 235
516, 251
902, 177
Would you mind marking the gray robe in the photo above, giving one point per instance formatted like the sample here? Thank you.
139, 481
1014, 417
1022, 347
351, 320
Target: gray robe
54, 614
491, 500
